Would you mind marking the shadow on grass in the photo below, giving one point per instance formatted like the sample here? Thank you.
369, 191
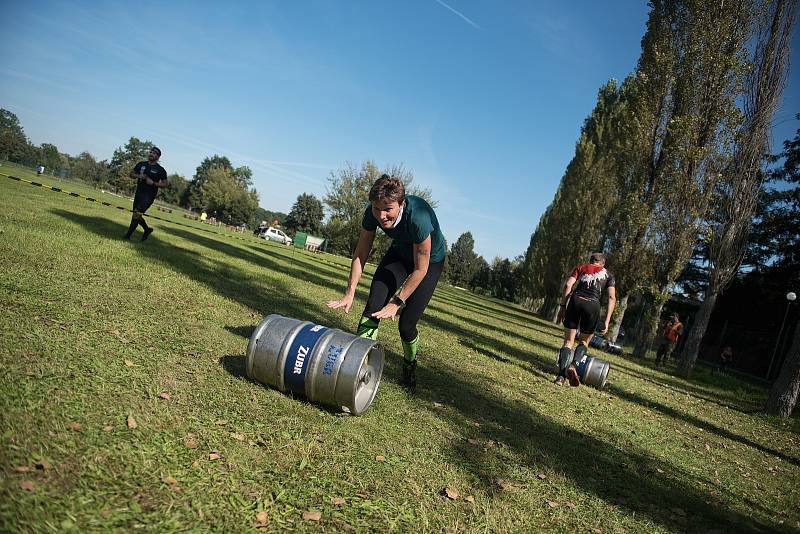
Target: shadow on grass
697, 422
668, 382
628, 479
262, 296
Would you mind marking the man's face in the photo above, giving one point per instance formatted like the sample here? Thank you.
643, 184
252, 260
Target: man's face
153, 156
386, 211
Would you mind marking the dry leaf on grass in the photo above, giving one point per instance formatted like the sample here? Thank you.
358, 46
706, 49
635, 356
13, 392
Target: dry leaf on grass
131, 422
572, 505
505, 485
22, 469
75, 426
128, 363
190, 441
213, 456
27, 485
169, 480
362, 495
469, 498
490, 444
312, 516
552, 504
473, 441
338, 501
108, 428
261, 518
237, 436
380, 458
542, 476
450, 493
438, 405
164, 395
221, 422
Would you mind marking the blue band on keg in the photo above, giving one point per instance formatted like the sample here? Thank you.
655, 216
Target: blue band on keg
299, 357
583, 366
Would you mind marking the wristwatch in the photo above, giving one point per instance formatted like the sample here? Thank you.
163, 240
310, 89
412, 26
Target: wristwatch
398, 301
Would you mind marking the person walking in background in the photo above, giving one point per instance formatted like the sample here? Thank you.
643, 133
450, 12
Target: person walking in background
673, 329
580, 310
409, 271
149, 177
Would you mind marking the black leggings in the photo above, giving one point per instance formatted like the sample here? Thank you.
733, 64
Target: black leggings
389, 276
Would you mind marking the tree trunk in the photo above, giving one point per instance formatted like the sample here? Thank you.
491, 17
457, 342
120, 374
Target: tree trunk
695, 335
647, 332
783, 395
616, 319
546, 309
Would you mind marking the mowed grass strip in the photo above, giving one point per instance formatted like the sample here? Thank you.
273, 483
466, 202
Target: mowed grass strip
125, 405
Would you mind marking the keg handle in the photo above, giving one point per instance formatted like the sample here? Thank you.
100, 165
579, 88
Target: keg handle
366, 376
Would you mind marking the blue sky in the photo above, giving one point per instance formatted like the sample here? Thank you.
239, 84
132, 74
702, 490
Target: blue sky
483, 101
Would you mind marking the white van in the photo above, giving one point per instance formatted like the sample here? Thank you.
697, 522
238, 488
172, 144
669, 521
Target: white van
273, 234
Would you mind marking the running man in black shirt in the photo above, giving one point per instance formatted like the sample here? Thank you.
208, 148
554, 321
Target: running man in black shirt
581, 310
149, 177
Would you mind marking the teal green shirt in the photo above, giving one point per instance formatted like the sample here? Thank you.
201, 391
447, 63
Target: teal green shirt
417, 222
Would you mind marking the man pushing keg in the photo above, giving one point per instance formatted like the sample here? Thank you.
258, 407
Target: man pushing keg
409, 271
580, 310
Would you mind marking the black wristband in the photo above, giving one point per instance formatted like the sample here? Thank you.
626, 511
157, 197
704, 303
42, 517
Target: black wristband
397, 300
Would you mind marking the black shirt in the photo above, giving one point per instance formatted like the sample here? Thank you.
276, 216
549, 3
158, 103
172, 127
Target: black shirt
592, 280
156, 173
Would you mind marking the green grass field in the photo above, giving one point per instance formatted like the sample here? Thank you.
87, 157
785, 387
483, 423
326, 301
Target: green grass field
99, 332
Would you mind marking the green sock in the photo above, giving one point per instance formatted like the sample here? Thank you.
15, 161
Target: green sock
368, 328
410, 349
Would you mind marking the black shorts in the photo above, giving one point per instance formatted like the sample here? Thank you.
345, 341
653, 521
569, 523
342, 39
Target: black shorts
142, 202
582, 314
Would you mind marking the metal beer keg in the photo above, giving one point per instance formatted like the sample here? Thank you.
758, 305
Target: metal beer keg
594, 372
326, 365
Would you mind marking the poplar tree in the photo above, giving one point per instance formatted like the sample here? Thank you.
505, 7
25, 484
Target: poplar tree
698, 129
737, 193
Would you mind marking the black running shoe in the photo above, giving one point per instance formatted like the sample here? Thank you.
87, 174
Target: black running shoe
147, 233
410, 375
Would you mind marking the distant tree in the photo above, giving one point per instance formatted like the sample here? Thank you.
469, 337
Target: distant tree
463, 260
85, 167
175, 190
14, 144
306, 215
482, 279
223, 194
260, 214
775, 240
193, 196
50, 158
123, 161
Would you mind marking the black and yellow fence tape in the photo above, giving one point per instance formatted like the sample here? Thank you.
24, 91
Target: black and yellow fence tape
248, 238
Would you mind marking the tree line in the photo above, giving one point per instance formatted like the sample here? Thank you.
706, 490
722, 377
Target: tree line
670, 167
217, 187
226, 192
